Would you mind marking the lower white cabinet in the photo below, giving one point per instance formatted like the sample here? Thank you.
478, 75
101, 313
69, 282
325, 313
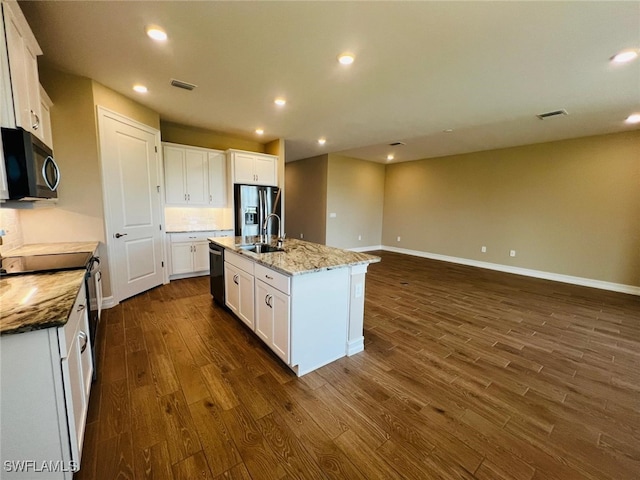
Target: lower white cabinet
272, 318
190, 253
239, 287
45, 382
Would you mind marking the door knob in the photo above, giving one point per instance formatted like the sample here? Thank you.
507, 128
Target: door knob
118, 235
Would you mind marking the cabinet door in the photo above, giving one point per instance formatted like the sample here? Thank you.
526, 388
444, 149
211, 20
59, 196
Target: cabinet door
174, 181
232, 287
200, 256
243, 168
196, 166
33, 92
217, 180
45, 118
264, 312
19, 83
266, 170
246, 306
281, 324
181, 258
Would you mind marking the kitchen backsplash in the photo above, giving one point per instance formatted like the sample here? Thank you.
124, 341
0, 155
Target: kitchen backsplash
10, 223
185, 219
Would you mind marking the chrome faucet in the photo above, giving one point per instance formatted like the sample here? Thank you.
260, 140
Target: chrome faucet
264, 229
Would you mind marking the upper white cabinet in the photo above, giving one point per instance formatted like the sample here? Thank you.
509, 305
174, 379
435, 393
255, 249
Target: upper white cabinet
45, 117
194, 176
22, 53
253, 168
217, 180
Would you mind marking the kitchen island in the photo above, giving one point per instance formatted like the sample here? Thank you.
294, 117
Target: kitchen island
306, 301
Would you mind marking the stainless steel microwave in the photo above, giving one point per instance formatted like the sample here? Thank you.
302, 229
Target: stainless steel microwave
32, 173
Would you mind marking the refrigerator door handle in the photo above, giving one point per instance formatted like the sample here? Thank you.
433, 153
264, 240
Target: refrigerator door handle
260, 211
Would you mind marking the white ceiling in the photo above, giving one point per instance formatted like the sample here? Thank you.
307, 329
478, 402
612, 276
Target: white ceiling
483, 69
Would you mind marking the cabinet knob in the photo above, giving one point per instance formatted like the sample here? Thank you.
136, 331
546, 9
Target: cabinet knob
85, 339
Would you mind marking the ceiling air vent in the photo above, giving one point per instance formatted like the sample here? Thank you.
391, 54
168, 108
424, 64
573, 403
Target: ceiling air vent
555, 113
181, 84
395, 144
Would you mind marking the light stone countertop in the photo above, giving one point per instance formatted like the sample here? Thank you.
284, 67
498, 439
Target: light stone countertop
299, 257
194, 228
40, 300
51, 248
37, 301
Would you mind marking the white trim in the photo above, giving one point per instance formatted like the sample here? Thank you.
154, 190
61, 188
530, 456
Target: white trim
355, 346
366, 249
556, 277
108, 302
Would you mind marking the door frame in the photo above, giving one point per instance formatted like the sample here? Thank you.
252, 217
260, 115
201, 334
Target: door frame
101, 113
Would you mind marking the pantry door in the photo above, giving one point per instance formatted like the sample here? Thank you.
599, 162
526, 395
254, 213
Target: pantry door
132, 200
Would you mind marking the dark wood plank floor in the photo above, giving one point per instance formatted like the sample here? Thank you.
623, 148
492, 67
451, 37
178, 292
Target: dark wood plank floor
466, 374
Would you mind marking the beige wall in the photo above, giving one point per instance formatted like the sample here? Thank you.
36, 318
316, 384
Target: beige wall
198, 137
355, 193
569, 207
306, 194
79, 214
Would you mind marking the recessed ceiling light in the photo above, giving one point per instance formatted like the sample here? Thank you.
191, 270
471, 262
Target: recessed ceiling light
280, 101
156, 33
140, 88
346, 58
389, 157
448, 130
625, 56
259, 131
633, 118
322, 141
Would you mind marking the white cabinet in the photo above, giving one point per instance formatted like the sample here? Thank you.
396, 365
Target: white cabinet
253, 168
45, 117
190, 254
45, 379
239, 287
22, 52
217, 180
273, 323
194, 176
186, 176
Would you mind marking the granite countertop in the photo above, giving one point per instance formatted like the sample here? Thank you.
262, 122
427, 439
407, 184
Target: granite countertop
299, 257
37, 301
194, 228
40, 300
51, 248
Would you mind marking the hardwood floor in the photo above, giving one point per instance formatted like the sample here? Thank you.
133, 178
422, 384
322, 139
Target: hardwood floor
466, 374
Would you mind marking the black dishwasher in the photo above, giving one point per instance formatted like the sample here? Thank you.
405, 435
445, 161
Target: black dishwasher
216, 269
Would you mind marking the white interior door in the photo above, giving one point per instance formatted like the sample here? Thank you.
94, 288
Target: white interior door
131, 179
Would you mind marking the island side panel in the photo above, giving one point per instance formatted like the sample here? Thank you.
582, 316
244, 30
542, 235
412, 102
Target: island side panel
355, 340
319, 318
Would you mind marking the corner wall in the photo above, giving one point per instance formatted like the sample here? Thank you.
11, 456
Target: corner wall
569, 207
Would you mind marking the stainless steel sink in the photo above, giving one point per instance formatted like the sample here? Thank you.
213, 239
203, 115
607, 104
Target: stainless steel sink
261, 248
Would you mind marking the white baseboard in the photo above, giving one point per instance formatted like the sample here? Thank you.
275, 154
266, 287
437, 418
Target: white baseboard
108, 302
366, 249
355, 346
556, 277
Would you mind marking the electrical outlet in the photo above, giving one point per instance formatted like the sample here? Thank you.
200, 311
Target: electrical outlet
483, 249
512, 253
398, 239
302, 235
359, 237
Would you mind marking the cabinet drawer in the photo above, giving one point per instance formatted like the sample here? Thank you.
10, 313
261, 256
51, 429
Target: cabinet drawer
239, 261
191, 236
67, 333
273, 278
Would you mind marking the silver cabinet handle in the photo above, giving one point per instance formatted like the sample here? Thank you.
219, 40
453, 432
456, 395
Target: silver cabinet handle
267, 276
80, 307
210, 198
185, 197
189, 196
118, 235
36, 125
235, 279
85, 339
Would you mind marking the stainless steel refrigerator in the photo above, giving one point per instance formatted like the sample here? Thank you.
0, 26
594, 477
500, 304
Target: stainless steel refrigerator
252, 205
